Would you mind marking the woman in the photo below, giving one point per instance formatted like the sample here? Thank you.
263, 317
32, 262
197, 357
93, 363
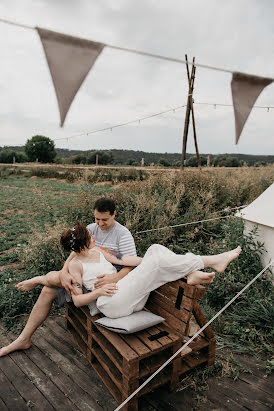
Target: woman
159, 266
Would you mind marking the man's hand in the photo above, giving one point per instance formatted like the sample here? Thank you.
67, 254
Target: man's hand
67, 281
105, 279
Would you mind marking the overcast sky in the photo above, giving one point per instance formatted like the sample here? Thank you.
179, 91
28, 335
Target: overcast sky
235, 35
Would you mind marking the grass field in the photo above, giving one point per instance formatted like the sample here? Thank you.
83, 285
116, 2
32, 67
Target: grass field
34, 209
31, 204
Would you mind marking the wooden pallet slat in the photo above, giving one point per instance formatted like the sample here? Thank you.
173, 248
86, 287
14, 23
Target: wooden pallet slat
201, 320
118, 343
172, 293
107, 365
170, 319
112, 353
136, 344
151, 364
144, 337
165, 341
107, 381
182, 314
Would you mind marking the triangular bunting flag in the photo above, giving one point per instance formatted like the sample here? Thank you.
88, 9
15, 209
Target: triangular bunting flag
69, 60
245, 91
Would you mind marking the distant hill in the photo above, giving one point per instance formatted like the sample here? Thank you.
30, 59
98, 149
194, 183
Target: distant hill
123, 156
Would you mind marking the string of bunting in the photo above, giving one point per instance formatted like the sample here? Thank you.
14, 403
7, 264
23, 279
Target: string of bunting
138, 120
121, 124
63, 51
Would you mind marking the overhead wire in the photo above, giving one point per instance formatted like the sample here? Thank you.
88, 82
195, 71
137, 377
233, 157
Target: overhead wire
86, 133
138, 120
229, 105
135, 51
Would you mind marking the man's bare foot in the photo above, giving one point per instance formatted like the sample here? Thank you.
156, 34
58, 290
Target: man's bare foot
221, 261
28, 285
200, 277
18, 344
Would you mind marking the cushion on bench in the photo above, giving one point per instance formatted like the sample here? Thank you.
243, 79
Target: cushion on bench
131, 323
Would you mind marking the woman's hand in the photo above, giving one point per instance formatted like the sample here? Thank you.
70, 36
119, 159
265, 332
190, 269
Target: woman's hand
107, 289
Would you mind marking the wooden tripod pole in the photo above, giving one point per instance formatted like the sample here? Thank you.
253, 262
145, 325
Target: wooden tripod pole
189, 109
191, 85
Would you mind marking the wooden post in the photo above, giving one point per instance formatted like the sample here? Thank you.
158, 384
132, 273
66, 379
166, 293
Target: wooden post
191, 86
189, 109
97, 160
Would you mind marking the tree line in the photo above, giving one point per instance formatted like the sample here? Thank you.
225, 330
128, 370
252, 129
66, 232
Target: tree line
42, 149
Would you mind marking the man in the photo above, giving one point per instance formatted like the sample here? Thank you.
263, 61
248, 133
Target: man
108, 234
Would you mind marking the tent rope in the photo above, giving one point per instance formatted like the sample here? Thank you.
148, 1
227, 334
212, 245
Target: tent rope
194, 336
192, 222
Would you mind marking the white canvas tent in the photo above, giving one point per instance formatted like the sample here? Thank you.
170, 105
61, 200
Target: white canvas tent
260, 213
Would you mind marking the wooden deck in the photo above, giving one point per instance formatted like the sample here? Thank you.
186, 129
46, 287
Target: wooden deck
54, 375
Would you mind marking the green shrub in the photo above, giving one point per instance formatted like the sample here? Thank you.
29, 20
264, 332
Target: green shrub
13, 303
44, 253
8, 156
248, 322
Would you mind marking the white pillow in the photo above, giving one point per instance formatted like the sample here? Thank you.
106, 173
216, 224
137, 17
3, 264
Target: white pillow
131, 323
93, 308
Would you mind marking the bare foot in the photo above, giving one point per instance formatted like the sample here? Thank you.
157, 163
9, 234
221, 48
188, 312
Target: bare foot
18, 344
200, 277
221, 261
27, 285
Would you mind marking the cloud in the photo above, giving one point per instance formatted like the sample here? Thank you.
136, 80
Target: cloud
123, 86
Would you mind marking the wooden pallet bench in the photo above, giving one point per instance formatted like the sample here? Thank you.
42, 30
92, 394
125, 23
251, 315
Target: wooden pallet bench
124, 362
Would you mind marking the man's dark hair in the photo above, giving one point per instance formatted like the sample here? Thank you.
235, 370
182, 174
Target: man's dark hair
103, 205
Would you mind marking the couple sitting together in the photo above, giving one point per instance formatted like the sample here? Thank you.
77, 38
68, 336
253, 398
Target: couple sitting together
90, 277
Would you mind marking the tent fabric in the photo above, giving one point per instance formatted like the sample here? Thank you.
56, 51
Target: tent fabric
261, 210
69, 59
245, 89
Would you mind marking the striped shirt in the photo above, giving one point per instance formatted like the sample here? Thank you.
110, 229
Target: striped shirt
118, 240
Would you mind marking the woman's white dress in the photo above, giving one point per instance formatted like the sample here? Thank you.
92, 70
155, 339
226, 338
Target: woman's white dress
159, 266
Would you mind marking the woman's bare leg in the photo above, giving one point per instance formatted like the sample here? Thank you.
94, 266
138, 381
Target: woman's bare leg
38, 314
51, 279
219, 262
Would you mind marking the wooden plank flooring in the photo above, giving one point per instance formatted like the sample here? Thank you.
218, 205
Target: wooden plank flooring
54, 375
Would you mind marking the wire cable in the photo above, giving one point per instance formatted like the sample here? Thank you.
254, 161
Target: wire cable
192, 222
142, 53
120, 125
145, 118
194, 336
229, 105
